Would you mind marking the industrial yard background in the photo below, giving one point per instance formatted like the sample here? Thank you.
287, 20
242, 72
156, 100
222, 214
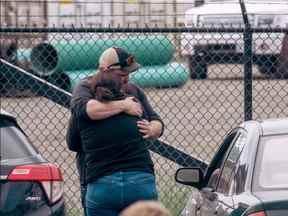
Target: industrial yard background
197, 112
94, 13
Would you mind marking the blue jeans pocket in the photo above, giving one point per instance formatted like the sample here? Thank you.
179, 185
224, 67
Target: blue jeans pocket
101, 194
110, 194
141, 186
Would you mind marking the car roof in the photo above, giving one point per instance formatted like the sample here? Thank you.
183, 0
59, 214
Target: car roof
274, 126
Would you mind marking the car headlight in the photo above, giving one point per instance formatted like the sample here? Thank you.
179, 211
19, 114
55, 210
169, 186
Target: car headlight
265, 21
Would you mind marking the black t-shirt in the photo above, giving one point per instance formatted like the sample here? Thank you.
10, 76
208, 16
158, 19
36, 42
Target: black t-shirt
111, 144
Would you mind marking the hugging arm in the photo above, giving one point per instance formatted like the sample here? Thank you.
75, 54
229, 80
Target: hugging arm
83, 105
99, 110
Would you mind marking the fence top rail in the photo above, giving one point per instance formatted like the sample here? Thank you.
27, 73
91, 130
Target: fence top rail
138, 30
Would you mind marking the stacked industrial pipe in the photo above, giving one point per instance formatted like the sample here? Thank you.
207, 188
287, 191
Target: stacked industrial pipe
73, 60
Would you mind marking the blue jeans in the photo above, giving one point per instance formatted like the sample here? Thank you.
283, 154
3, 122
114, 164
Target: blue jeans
109, 195
83, 189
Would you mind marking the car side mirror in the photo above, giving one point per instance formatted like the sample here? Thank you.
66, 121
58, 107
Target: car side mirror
189, 176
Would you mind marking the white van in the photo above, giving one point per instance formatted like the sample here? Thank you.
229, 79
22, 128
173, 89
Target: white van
202, 49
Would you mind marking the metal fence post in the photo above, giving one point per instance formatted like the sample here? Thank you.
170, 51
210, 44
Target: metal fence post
247, 61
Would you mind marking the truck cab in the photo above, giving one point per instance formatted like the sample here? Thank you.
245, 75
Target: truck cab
204, 48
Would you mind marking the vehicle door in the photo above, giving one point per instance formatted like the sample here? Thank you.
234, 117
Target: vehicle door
216, 197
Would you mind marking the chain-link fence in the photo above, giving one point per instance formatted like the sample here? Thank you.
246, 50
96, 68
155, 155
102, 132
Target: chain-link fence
198, 80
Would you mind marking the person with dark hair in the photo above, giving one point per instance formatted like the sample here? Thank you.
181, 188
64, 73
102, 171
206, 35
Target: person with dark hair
107, 87
110, 124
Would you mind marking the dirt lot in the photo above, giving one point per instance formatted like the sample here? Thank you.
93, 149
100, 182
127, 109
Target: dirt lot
196, 115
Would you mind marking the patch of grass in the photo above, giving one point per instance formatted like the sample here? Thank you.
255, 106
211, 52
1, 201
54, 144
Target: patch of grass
74, 212
174, 197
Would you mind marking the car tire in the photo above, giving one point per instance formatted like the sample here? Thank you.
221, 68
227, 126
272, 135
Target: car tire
268, 66
197, 68
282, 69
267, 69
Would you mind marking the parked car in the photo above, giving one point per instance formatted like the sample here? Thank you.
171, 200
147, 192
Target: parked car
29, 185
247, 176
205, 48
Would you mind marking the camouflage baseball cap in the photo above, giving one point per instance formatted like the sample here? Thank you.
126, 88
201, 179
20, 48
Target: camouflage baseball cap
118, 58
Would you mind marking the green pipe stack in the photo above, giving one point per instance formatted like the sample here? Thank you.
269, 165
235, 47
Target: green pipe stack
23, 58
160, 76
79, 58
23, 54
48, 58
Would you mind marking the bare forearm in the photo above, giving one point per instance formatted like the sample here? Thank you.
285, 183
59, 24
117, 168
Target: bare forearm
97, 110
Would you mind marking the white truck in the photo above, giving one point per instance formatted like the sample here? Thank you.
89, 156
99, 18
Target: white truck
202, 49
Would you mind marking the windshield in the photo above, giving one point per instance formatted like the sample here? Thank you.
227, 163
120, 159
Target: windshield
13, 143
272, 163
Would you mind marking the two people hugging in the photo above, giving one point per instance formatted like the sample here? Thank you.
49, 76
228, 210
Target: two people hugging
111, 121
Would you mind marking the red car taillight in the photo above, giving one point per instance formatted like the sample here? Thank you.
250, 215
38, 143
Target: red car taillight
262, 213
47, 174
